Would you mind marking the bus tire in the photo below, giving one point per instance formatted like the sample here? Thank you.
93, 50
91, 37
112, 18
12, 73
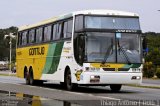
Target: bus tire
38, 82
115, 87
26, 76
68, 81
62, 84
31, 78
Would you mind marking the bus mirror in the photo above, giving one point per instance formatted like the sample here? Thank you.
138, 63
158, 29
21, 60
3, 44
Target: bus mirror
144, 43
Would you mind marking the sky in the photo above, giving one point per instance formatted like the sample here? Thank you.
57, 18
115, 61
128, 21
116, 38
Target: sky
24, 12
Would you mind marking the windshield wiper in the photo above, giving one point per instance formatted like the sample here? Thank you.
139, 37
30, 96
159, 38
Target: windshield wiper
108, 52
124, 53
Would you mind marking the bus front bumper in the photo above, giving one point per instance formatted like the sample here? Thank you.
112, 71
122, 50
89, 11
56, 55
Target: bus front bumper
101, 78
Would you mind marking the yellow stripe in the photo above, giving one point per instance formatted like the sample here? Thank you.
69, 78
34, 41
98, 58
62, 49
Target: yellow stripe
99, 65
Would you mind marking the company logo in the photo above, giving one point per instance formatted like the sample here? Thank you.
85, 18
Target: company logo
78, 75
105, 65
37, 51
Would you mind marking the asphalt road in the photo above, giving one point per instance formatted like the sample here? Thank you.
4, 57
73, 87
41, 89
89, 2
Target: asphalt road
157, 81
88, 96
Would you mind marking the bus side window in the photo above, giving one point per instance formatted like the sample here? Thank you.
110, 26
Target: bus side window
67, 29
19, 43
79, 23
25, 38
65, 25
57, 31
54, 32
47, 33
32, 36
39, 34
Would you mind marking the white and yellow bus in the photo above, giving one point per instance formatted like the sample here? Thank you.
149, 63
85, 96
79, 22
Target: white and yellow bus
90, 48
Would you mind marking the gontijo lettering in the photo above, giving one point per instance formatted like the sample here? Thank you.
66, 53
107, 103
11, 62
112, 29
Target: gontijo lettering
37, 51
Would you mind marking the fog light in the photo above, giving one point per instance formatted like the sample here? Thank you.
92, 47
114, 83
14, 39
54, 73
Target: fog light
136, 77
94, 78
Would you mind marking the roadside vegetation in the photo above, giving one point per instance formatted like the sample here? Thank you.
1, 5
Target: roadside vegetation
4, 46
151, 67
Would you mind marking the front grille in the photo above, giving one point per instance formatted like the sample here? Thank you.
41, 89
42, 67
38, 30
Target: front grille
123, 69
109, 69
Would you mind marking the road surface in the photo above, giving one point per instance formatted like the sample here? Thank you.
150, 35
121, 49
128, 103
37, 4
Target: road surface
88, 96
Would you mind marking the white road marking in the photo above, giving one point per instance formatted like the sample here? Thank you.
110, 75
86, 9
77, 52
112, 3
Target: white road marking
91, 95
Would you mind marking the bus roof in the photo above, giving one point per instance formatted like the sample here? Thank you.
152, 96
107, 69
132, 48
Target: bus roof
85, 12
105, 12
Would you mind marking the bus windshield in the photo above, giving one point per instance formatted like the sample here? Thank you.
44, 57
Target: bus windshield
100, 46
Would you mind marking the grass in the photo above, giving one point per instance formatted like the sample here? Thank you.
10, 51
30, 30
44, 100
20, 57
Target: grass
143, 86
7, 74
153, 78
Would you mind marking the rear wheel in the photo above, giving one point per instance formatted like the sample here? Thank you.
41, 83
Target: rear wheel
38, 82
31, 78
115, 87
26, 76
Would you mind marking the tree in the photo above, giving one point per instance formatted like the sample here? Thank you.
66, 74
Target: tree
4, 44
153, 56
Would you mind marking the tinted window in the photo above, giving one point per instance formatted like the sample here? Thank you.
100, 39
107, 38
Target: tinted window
24, 37
32, 36
39, 34
47, 33
19, 39
79, 23
57, 31
54, 31
67, 29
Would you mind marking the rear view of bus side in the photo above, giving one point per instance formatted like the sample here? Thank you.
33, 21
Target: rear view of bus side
90, 48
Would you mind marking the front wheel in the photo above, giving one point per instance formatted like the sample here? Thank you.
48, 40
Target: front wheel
115, 87
68, 81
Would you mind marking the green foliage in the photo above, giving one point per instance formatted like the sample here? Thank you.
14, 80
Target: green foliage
158, 72
153, 56
153, 43
148, 70
4, 43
